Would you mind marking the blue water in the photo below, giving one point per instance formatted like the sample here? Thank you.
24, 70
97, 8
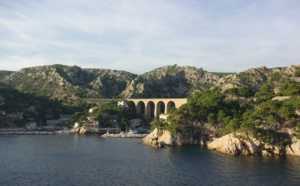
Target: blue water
92, 160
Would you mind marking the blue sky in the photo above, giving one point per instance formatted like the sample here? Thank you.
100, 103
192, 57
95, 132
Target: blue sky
141, 35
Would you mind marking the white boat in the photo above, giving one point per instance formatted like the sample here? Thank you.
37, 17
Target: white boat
132, 132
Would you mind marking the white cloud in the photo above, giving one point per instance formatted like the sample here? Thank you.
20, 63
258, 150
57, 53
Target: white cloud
139, 36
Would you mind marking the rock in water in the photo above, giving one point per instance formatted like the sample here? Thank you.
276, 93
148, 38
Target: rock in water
166, 139
162, 138
151, 139
84, 130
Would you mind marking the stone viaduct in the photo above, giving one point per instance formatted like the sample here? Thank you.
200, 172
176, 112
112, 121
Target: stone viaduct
151, 108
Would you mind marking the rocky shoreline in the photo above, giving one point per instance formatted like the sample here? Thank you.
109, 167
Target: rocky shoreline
232, 144
239, 144
161, 138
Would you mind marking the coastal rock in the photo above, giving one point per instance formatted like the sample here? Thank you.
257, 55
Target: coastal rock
245, 145
162, 138
180, 141
159, 138
84, 130
266, 153
230, 144
227, 144
233, 144
166, 139
151, 139
253, 147
294, 148
75, 130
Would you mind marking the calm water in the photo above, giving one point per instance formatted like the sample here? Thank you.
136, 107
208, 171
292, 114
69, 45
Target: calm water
91, 160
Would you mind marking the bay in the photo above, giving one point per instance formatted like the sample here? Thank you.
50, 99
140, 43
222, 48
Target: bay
92, 160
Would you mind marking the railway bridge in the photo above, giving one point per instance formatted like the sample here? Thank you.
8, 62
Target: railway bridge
151, 108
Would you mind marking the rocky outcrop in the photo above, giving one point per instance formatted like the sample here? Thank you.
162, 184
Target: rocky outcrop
233, 144
245, 145
230, 144
85, 130
294, 148
159, 138
152, 138
162, 138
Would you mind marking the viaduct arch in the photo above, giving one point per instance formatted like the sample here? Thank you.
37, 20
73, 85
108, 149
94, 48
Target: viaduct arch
151, 108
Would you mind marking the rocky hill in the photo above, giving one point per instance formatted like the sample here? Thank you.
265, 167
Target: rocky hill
170, 81
69, 83
72, 82
253, 78
4, 73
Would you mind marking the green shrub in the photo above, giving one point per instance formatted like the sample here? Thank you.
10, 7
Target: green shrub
285, 142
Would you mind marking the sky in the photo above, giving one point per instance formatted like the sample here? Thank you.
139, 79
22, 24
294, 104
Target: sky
140, 35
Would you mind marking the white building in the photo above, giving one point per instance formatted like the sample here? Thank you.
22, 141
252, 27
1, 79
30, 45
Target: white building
122, 103
163, 116
76, 125
92, 109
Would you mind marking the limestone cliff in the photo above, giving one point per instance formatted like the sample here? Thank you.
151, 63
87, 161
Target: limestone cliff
232, 144
242, 144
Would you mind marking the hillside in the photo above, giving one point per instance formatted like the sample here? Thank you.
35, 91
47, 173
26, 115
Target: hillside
69, 83
255, 77
59, 88
170, 81
4, 73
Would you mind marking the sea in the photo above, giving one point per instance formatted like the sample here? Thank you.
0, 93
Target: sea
92, 160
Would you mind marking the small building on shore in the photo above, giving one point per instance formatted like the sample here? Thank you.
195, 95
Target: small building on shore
90, 124
163, 116
92, 109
